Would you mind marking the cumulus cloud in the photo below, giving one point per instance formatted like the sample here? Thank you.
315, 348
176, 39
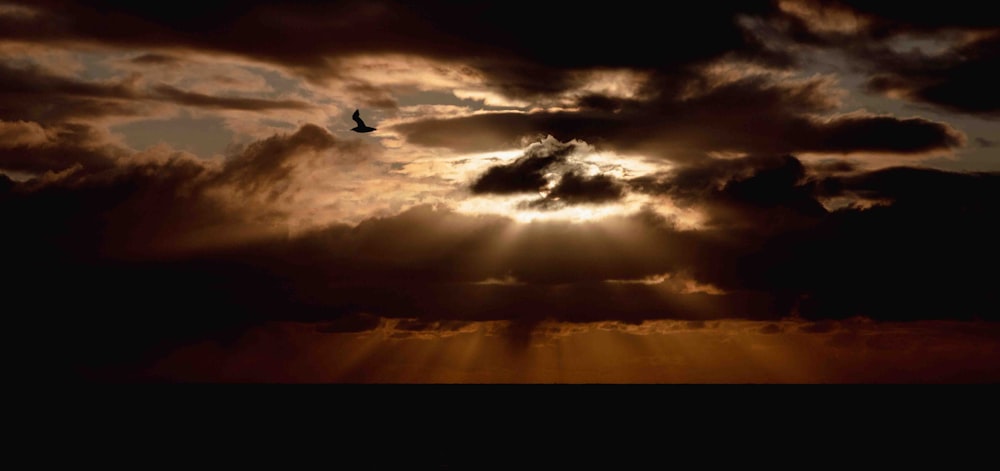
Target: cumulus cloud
574, 188
32, 148
266, 165
546, 169
527, 174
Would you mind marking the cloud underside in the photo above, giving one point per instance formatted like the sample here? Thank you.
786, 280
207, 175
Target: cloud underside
956, 75
34, 94
547, 60
768, 250
713, 99
684, 138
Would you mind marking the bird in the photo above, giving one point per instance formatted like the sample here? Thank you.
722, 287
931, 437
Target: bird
361, 127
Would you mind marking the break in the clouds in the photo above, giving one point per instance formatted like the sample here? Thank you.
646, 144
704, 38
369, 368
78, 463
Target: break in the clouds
765, 174
945, 57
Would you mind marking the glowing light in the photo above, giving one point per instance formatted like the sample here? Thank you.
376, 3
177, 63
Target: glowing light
517, 208
824, 18
587, 161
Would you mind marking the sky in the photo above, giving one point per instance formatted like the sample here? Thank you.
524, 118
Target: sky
725, 192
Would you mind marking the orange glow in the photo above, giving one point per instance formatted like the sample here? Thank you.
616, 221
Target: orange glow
727, 351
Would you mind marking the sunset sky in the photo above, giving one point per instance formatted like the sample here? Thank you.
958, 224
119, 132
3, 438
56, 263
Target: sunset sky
625, 192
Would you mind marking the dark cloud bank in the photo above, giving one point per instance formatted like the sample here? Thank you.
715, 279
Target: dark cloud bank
112, 259
542, 55
97, 262
960, 78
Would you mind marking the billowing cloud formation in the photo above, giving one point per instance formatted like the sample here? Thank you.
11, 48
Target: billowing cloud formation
768, 250
526, 174
171, 175
100, 203
545, 169
30, 147
574, 188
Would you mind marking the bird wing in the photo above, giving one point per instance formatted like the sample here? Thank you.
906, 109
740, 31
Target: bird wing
357, 118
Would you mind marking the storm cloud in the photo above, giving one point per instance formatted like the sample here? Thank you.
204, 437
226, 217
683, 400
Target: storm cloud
792, 172
748, 115
769, 251
942, 57
527, 173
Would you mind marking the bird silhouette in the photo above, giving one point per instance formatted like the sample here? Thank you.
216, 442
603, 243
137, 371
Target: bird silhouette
361, 127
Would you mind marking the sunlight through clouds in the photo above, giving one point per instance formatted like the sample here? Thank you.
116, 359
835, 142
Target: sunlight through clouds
752, 191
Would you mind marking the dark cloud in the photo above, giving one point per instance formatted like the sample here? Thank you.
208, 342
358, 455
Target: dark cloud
574, 188
424, 252
156, 59
31, 80
425, 263
35, 94
961, 80
527, 173
265, 166
6, 183
197, 266
102, 204
361, 322
538, 60
771, 329
123, 256
753, 115
418, 325
544, 168
855, 133
32, 148
914, 250
890, 19
818, 327
834, 166
947, 57
757, 194
926, 187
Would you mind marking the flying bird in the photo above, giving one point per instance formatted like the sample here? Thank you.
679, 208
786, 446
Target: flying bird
361, 127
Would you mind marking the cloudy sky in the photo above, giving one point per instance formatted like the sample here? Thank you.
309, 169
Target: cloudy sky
746, 191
